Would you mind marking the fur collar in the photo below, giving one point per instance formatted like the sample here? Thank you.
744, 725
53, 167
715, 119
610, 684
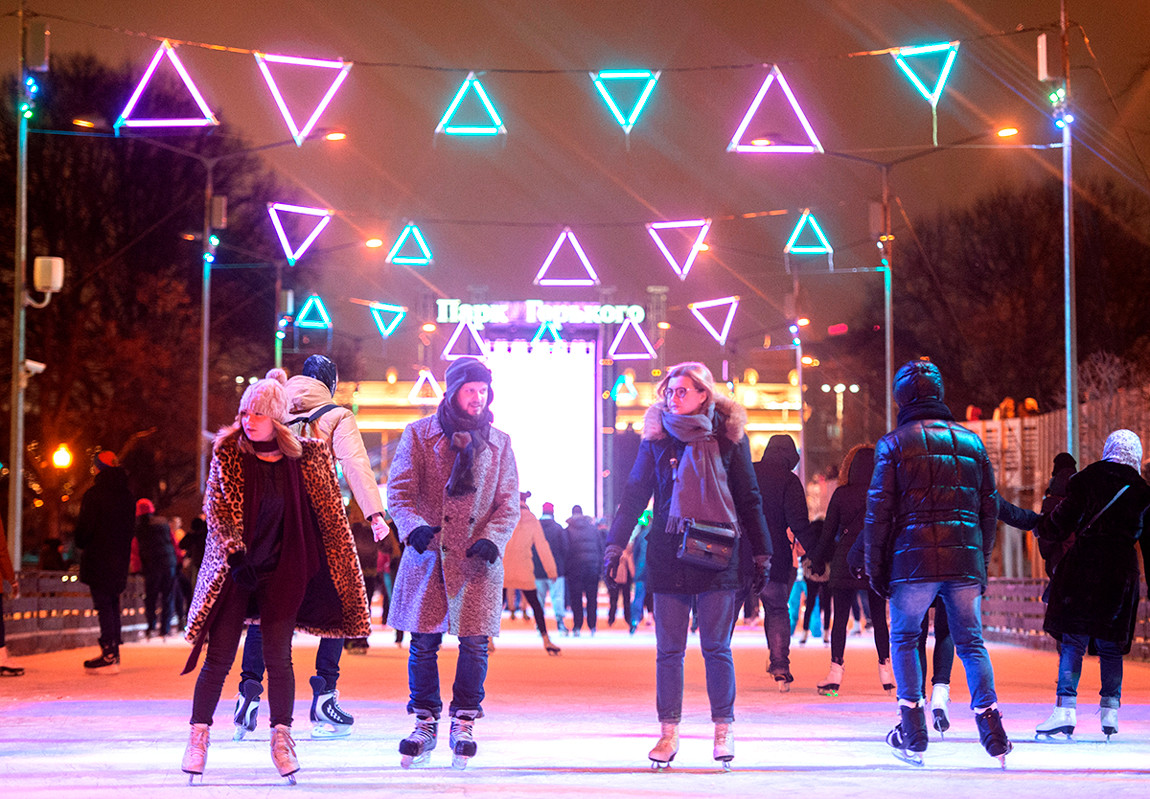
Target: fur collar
734, 415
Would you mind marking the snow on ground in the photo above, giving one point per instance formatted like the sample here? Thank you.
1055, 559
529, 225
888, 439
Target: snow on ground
579, 724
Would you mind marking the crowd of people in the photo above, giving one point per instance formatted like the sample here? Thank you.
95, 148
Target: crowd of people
702, 534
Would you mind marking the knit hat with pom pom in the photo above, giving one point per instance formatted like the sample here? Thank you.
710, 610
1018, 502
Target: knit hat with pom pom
267, 397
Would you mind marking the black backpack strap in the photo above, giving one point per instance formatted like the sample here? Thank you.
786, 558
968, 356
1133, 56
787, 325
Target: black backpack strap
314, 416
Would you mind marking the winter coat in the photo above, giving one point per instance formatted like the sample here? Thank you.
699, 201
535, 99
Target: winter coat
337, 427
556, 535
6, 571
1053, 551
932, 507
104, 531
443, 590
784, 503
653, 473
518, 564
844, 523
334, 604
157, 546
584, 549
1096, 586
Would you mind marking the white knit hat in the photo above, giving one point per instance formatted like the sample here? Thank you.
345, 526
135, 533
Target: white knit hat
267, 397
1123, 446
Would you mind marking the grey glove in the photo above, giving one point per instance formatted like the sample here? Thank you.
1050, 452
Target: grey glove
483, 548
420, 538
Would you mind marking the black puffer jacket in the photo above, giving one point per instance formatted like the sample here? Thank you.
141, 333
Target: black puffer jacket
584, 548
653, 474
784, 503
844, 523
932, 505
104, 531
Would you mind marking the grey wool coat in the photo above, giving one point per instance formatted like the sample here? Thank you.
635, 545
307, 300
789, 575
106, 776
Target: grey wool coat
443, 590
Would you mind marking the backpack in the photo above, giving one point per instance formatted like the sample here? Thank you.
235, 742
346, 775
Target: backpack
305, 422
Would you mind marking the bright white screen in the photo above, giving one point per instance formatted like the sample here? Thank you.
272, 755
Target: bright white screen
545, 400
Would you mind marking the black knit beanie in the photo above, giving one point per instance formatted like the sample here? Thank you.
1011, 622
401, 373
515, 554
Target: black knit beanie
467, 370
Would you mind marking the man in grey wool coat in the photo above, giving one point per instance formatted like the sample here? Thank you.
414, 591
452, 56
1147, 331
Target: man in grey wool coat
453, 492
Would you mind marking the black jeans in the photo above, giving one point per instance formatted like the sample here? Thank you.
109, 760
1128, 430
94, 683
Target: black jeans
817, 592
579, 587
159, 587
943, 660
107, 606
842, 599
614, 592
277, 622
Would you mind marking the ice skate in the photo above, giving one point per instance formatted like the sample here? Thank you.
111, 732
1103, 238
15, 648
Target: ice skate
283, 753
1061, 723
462, 739
909, 737
724, 744
416, 748
992, 735
832, 682
7, 670
939, 707
247, 708
783, 681
667, 747
196, 753
107, 662
1109, 722
328, 719
885, 675
550, 647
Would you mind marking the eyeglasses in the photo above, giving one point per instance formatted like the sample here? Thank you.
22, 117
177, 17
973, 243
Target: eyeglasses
677, 393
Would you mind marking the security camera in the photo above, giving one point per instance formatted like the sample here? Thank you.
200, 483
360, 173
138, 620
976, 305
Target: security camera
34, 367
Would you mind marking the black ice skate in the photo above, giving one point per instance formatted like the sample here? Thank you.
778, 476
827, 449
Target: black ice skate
328, 719
107, 662
992, 735
462, 739
247, 708
909, 738
416, 748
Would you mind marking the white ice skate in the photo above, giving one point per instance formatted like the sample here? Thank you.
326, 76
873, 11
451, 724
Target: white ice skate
196, 753
939, 707
1061, 723
462, 739
725, 744
283, 753
416, 748
1109, 722
832, 682
328, 719
886, 675
667, 747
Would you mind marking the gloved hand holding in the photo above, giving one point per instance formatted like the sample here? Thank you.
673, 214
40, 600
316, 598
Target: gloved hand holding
242, 571
881, 586
761, 575
485, 549
611, 561
420, 538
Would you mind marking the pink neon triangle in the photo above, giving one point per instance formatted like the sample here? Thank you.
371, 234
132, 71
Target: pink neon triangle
567, 236
300, 133
647, 352
701, 227
476, 339
719, 336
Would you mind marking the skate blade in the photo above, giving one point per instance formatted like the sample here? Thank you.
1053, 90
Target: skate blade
240, 733
323, 731
409, 761
660, 765
103, 670
289, 778
828, 691
459, 762
192, 778
784, 687
941, 722
1055, 736
913, 758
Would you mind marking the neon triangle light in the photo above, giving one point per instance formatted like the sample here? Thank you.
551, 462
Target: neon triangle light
425, 378
647, 352
398, 312
293, 255
823, 247
313, 315
931, 95
681, 270
592, 278
600, 79
696, 308
736, 145
410, 231
298, 133
624, 388
494, 129
547, 328
448, 355
125, 120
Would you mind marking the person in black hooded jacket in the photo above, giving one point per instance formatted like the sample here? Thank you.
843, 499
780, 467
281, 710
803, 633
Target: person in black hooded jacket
931, 519
785, 507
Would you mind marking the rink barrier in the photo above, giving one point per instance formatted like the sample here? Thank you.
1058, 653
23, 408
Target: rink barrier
54, 612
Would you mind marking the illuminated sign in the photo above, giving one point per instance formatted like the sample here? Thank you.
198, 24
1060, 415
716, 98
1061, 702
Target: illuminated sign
534, 313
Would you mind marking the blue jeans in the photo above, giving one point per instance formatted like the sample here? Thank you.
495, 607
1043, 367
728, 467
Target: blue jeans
1070, 669
777, 624
423, 674
714, 610
909, 602
557, 588
326, 658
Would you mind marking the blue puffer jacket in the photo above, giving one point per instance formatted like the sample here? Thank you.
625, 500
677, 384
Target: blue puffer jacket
932, 505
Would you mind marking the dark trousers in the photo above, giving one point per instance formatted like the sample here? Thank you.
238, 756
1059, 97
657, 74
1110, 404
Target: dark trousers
817, 593
277, 622
327, 656
615, 591
579, 587
842, 598
943, 661
107, 606
532, 599
158, 588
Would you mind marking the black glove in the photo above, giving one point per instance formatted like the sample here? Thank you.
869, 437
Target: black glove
243, 572
880, 586
761, 576
421, 536
483, 549
611, 561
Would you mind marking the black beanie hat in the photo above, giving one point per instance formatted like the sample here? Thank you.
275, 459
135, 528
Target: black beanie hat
322, 369
467, 370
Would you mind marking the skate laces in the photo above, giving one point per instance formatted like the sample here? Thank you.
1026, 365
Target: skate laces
461, 728
283, 745
199, 742
425, 729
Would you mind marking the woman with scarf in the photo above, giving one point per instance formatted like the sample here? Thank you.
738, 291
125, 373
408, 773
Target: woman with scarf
279, 548
1095, 588
695, 459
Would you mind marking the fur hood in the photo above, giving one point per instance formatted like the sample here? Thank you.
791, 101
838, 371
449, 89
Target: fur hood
734, 414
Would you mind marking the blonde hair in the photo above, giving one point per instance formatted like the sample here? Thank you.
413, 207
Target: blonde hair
288, 442
700, 375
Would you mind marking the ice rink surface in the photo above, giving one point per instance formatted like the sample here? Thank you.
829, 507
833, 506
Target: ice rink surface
579, 724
